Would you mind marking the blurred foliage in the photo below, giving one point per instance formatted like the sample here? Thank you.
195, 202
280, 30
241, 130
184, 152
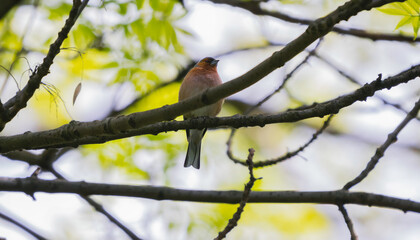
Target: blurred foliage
408, 10
287, 221
125, 154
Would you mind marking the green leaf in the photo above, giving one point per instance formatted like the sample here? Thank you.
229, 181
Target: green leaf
410, 10
415, 4
415, 23
139, 4
155, 4
404, 21
394, 11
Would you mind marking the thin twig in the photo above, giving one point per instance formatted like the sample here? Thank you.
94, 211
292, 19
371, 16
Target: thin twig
288, 155
255, 8
353, 80
22, 226
392, 138
233, 222
98, 207
264, 163
20, 100
18, 53
348, 221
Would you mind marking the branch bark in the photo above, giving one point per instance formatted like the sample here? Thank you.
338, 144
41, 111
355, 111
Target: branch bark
76, 133
32, 185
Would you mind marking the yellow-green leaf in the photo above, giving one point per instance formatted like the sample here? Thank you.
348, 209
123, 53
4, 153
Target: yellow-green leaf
415, 23
404, 21
394, 11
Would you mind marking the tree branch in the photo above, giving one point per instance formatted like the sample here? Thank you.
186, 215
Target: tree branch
233, 222
22, 226
288, 155
32, 185
99, 208
46, 160
19, 101
255, 8
392, 138
77, 133
348, 221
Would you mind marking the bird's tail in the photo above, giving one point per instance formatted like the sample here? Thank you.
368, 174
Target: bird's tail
194, 148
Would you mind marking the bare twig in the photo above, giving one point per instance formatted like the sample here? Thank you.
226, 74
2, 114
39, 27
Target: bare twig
392, 138
353, 80
98, 207
264, 163
288, 155
348, 221
255, 8
19, 101
233, 222
22, 226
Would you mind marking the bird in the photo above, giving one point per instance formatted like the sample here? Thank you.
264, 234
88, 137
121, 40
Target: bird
201, 77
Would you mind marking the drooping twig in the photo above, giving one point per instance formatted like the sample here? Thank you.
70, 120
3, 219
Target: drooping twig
288, 155
22, 226
348, 221
233, 222
19, 101
17, 54
252, 108
392, 138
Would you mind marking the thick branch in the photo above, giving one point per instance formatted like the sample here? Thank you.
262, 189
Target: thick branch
32, 185
101, 131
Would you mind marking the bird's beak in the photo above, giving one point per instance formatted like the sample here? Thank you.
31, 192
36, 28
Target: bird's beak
214, 62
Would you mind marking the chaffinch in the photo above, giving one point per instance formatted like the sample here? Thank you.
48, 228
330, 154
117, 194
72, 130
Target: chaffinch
202, 76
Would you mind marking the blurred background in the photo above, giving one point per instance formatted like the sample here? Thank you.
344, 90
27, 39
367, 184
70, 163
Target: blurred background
130, 56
